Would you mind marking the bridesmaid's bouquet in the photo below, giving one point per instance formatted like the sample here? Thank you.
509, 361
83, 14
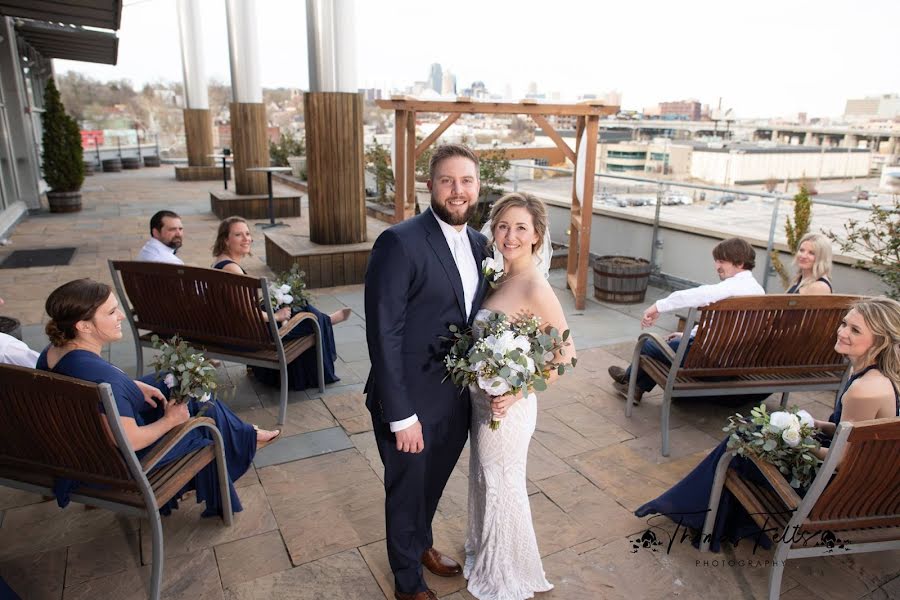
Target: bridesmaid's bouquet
289, 289
509, 357
786, 439
188, 374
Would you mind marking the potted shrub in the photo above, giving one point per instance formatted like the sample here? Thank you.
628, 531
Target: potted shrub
63, 156
290, 152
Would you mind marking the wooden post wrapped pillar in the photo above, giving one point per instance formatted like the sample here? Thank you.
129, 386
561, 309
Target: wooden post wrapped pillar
250, 146
198, 136
334, 163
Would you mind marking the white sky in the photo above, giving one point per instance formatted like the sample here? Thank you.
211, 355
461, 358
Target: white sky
762, 57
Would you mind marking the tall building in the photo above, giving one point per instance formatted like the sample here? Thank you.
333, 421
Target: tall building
885, 106
687, 110
436, 78
448, 84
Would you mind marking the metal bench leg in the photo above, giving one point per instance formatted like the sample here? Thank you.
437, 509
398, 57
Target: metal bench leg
157, 568
222, 470
784, 399
664, 424
781, 554
715, 495
282, 411
632, 379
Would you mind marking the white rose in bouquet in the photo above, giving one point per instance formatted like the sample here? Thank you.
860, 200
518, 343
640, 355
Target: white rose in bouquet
494, 265
285, 289
169, 380
791, 436
781, 420
495, 386
806, 418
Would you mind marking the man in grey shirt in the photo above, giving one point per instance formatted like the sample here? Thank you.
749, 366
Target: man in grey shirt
166, 236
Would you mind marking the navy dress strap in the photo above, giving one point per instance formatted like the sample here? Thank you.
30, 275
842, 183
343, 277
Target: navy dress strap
221, 265
839, 407
795, 289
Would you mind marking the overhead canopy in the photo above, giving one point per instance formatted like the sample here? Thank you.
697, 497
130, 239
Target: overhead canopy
69, 42
106, 14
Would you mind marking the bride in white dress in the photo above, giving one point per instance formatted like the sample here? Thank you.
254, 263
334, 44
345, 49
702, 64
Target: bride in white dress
502, 557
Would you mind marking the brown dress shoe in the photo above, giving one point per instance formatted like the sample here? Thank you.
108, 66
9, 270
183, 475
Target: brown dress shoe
426, 595
440, 564
622, 388
617, 374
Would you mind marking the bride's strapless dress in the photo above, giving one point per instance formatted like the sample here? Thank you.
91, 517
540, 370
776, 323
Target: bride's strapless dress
502, 558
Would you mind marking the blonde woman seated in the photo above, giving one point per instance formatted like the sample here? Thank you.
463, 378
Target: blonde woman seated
869, 336
232, 245
812, 264
84, 317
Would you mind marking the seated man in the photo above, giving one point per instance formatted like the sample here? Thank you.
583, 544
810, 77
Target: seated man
15, 352
734, 260
166, 236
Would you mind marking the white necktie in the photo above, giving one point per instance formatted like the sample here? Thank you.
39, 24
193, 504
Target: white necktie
465, 264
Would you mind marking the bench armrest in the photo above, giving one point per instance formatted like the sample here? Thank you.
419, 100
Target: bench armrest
168, 441
288, 325
776, 479
659, 341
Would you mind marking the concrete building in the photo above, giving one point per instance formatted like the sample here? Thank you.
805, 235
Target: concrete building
687, 110
448, 84
31, 35
744, 163
885, 106
658, 156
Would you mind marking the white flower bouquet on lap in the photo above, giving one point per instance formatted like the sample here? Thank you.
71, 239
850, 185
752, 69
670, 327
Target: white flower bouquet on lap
786, 439
510, 356
289, 289
184, 370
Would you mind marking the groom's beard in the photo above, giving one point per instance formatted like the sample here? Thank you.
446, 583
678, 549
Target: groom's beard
451, 218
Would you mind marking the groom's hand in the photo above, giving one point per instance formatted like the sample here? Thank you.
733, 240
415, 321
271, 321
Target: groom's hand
410, 439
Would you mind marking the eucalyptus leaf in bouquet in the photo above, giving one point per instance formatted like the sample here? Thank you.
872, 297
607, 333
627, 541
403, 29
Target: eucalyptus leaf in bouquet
786, 439
289, 289
184, 369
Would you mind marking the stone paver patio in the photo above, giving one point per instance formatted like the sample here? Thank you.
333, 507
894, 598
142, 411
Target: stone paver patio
314, 528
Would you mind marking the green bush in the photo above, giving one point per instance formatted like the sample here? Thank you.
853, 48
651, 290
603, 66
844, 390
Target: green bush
288, 145
794, 231
63, 156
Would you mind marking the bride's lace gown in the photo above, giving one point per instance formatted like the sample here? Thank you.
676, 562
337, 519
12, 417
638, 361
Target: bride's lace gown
502, 558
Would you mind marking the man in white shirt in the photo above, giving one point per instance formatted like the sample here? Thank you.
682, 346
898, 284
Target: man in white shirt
15, 352
734, 260
166, 237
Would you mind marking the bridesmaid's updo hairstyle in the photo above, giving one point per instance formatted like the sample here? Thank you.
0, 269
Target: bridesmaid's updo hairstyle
71, 302
223, 233
522, 200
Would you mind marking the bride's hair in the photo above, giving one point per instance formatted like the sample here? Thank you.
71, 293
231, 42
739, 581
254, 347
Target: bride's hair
535, 208
70, 303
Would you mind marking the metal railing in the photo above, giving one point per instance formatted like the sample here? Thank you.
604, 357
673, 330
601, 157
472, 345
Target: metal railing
96, 153
662, 188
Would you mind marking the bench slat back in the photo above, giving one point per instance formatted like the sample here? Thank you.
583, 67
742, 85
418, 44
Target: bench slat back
784, 332
201, 305
52, 425
867, 484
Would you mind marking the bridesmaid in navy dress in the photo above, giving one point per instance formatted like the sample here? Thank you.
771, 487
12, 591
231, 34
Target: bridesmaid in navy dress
812, 264
869, 336
233, 242
85, 316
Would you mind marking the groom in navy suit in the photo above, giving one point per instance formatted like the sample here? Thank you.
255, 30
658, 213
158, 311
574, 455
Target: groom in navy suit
424, 274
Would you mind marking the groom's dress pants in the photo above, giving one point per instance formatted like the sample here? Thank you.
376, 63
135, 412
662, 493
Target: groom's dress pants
413, 485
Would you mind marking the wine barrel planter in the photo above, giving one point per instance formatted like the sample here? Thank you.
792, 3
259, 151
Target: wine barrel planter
64, 202
112, 165
131, 162
11, 326
151, 161
621, 279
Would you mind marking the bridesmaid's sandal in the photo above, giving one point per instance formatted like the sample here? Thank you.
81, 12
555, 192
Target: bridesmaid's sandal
263, 443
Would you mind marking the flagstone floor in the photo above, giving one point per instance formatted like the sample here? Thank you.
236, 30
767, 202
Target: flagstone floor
313, 520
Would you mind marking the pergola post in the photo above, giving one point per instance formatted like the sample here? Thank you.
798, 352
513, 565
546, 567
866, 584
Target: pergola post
398, 163
197, 121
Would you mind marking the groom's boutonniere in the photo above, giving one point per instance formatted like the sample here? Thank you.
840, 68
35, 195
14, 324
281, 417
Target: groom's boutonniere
493, 269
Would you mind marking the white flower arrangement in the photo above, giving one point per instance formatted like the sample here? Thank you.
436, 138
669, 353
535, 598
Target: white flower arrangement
492, 267
188, 374
289, 289
510, 357
786, 439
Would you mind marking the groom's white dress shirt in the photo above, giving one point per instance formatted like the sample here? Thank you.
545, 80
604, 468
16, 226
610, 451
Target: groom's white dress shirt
461, 249
155, 251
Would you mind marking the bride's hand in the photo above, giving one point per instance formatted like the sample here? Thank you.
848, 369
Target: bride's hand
501, 404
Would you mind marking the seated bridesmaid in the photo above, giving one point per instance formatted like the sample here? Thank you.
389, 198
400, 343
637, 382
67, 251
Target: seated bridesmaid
84, 317
869, 336
232, 244
812, 264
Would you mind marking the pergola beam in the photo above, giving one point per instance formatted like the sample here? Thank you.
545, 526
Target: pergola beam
434, 135
509, 108
553, 135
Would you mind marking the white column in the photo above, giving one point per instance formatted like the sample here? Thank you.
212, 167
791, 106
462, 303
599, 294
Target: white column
331, 42
243, 50
196, 93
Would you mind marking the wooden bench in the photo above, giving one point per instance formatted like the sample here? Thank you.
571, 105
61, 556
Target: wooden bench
747, 345
856, 511
51, 427
216, 311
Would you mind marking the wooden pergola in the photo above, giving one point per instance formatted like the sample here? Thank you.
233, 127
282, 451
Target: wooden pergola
406, 151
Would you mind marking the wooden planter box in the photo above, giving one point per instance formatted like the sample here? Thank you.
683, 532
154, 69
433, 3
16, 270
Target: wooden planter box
621, 279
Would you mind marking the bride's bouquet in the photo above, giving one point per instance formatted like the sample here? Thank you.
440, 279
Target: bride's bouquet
188, 374
509, 357
289, 289
786, 439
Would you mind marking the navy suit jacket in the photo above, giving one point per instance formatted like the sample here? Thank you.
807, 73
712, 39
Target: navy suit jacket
413, 293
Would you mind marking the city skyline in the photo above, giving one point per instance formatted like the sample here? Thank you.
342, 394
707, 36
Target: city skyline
779, 60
